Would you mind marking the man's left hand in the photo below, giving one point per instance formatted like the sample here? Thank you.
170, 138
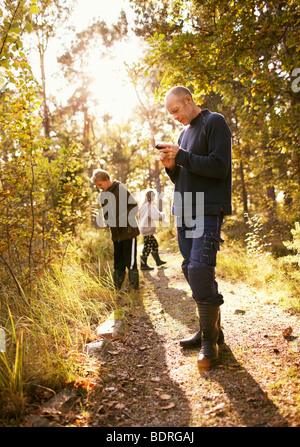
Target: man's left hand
170, 150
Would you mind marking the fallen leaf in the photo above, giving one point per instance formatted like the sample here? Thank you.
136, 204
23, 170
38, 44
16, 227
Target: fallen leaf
218, 409
168, 407
165, 396
49, 410
120, 406
287, 332
251, 399
155, 379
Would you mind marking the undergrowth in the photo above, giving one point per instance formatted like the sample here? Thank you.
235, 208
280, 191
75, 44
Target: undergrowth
245, 256
249, 260
46, 328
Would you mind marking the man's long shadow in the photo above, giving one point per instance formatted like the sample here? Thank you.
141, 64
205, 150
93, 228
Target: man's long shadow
142, 374
245, 395
177, 303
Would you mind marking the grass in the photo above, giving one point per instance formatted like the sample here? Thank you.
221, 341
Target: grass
46, 329
273, 278
11, 377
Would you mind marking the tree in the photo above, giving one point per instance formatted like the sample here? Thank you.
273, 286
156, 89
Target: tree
50, 15
41, 200
245, 52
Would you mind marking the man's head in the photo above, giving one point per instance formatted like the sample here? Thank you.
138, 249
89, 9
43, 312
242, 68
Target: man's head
180, 104
101, 179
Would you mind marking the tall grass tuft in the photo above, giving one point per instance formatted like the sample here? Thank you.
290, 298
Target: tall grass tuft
48, 327
11, 373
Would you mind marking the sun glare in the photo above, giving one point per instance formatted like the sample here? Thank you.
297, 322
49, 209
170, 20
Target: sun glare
110, 86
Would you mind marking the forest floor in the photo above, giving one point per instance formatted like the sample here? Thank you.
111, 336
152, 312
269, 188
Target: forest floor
147, 380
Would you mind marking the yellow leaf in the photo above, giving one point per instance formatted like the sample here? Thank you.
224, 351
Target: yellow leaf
34, 9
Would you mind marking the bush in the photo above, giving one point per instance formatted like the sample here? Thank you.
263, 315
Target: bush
167, 238
294, 246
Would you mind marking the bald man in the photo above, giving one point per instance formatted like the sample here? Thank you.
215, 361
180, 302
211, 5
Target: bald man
200, 168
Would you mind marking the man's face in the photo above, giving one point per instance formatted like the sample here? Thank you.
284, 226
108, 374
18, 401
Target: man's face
103, 184
181, 108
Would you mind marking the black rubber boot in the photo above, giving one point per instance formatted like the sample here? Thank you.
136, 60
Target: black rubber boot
133, 276
157, 259
195, 341
221, 337
209, 317
144, 265
118, 277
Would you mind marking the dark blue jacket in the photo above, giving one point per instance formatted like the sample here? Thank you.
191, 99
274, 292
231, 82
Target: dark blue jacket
203, 164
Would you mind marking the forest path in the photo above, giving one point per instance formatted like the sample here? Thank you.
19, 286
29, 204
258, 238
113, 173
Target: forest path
151, 382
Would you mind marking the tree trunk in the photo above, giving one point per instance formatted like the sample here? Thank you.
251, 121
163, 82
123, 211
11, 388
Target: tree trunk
46, 119
244, 191
86, 130
158, 185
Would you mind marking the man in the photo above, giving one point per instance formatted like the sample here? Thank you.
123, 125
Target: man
200, 163
119, 211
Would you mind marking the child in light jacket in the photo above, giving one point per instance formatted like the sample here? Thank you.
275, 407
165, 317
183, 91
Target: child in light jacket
148, 215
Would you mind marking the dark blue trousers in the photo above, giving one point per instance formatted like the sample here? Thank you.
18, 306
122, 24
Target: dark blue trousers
200, 255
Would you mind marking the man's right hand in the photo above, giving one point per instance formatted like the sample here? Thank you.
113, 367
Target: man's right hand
168, 162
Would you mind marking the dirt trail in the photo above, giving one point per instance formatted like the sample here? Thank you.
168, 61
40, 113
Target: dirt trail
151, 382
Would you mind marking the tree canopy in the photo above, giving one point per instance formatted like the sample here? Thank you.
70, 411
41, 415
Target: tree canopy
238, 58
244, 55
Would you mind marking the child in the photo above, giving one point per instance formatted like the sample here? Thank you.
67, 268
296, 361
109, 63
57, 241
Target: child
119, 211
148, 214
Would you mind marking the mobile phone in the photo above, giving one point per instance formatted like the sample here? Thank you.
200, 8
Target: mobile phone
158, 146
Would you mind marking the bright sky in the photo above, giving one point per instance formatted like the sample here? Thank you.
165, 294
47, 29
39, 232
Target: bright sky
115, 94
109, 11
